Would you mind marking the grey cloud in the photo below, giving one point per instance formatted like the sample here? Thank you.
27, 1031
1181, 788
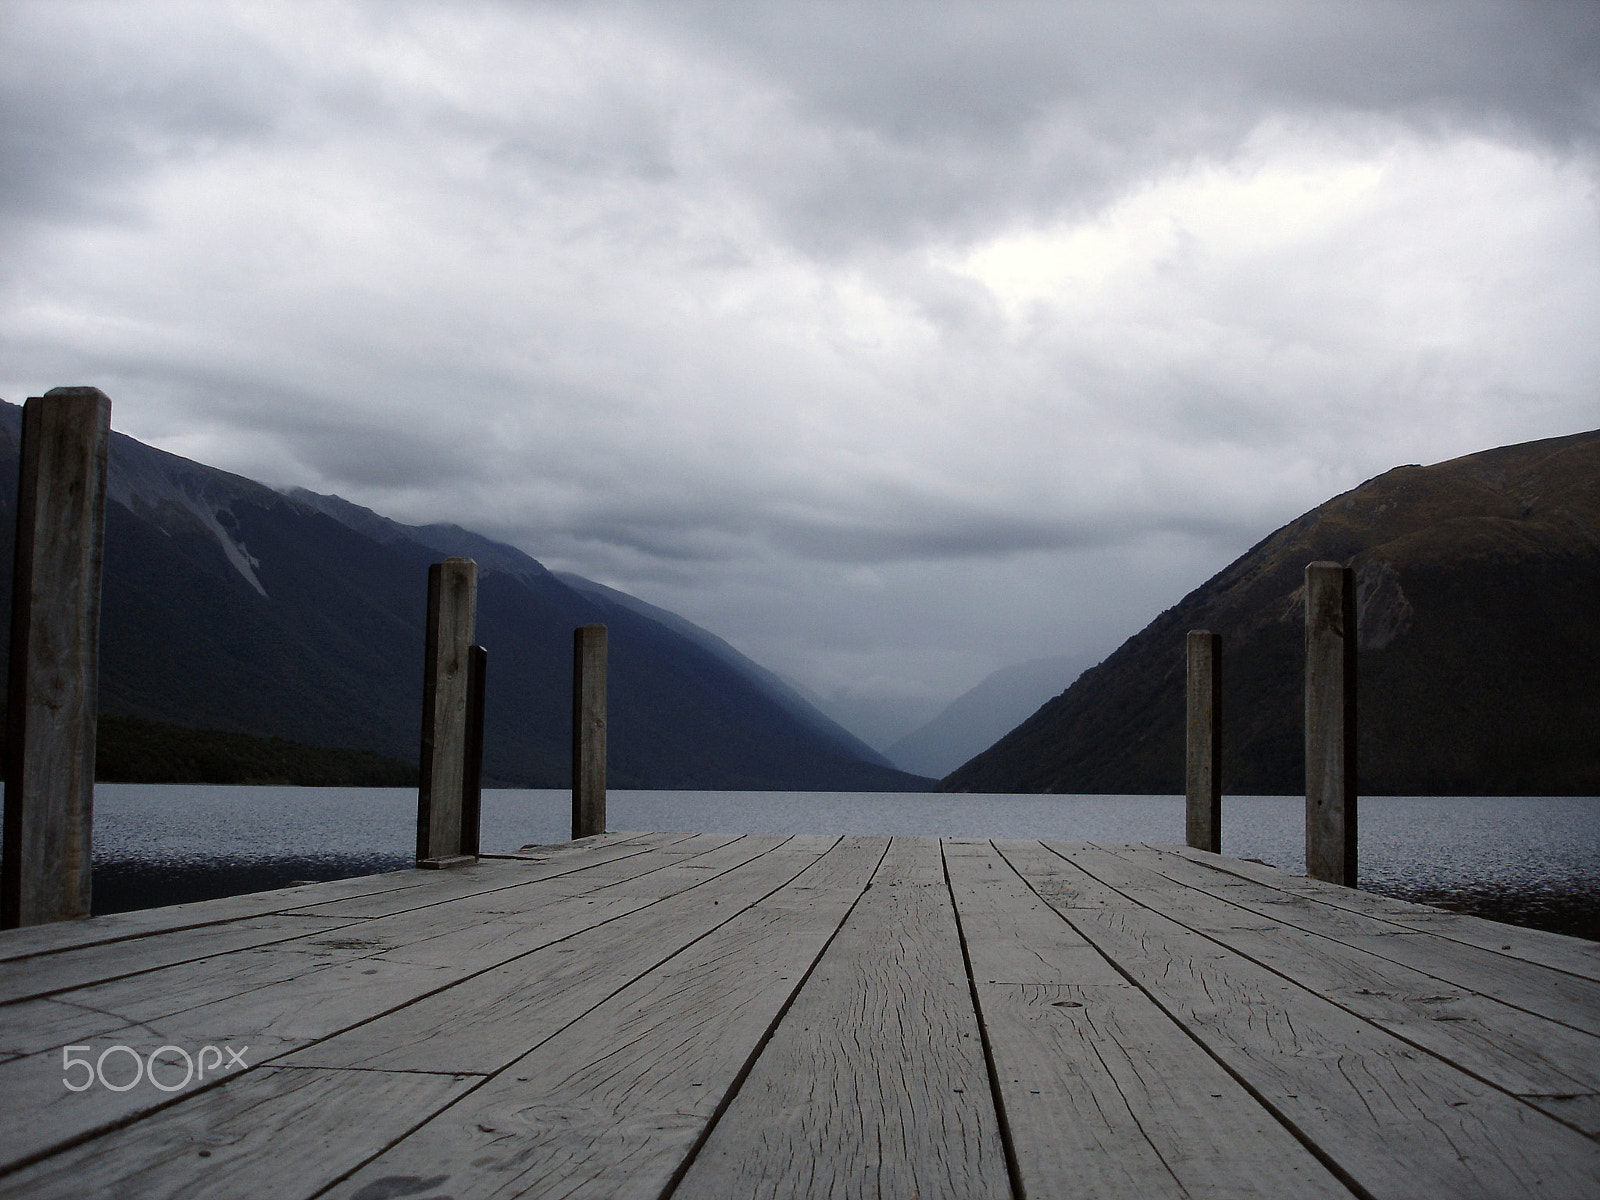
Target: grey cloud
956, 116
80, 115
683, 304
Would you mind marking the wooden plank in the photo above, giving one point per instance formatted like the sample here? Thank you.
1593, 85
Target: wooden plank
1098, 1085
113, 927
201, 979
231, 1140
36, 1026
260, 1024
686, 870
199, 914
452, 934
1549, 1065
1549, 992
39, 975
498, 928
272, 969
53, 680
1011, 935
651, 870
1576, 956
1153, 1025
273, 999
1395, 1120
610, 1104
485, 877
485, 1022
874, 1083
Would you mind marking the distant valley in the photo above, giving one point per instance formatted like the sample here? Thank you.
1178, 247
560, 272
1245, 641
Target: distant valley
981, 716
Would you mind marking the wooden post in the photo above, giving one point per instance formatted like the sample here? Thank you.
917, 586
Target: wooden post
472, 785
452, 613
1331, 723
1203, 760
589, 731
53, 682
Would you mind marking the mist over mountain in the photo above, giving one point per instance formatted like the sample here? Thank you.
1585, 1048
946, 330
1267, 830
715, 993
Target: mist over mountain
1478, 584
230, 606
983, 714
785, 694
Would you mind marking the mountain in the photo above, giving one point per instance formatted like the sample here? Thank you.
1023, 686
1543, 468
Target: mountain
982, 715
230, 606
1478, 585
779, 690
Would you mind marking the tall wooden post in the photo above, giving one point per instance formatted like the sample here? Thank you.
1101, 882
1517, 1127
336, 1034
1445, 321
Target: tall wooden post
1331, 723
53, 684
452, 614
472, 784
1203, 760
589, 731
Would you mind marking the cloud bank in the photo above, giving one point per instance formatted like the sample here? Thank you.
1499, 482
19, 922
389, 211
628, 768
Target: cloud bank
892, 342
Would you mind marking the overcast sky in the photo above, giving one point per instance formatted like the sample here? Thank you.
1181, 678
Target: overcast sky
894, 342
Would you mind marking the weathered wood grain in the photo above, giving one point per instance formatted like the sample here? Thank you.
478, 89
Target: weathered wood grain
485, 1022
874, 1083
53, 673
1099, 1086
745, 1016
588, 730
1010, 934
442, 769
1203, 741
200, 914
1575, 956
610, 1105
274, 998
1398, 1121
1550, 1065
33, 1026
293, 1131
1330, 723
116, 927
1496, 970
41, 974
484, 877
262, 1023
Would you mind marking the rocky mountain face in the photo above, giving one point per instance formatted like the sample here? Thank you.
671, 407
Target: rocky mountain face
1478, 593
230, 606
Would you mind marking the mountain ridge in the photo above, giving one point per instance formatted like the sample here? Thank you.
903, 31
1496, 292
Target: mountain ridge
1476, 580
231, 606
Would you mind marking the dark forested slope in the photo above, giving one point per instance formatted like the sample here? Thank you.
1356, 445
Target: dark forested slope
1479, 605
231, 607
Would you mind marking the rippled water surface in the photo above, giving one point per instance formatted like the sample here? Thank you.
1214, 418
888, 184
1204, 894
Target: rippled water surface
1529, 860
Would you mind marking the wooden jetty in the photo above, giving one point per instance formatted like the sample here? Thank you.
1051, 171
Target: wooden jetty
697, 1015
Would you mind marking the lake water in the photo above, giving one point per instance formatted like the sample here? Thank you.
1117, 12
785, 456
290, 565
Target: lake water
1529, 860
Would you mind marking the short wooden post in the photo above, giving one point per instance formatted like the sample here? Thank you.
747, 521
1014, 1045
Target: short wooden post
53, 683
452, 614
1203, 760
472, 785
1331, 723
589, 731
